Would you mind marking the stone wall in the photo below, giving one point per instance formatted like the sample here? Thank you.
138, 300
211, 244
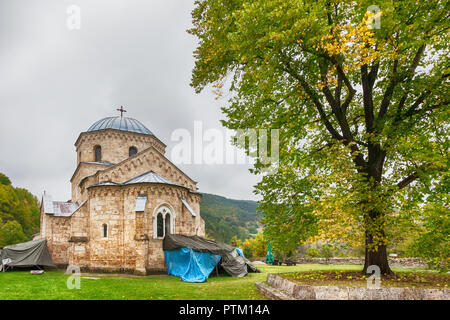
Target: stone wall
107, 207
305, 292
56, 230
115, 144
115, 149
150, 159
131, 244
79, 252
57, 235
396, 262
81, 172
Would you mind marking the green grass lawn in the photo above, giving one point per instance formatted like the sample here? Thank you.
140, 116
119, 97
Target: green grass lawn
52, 285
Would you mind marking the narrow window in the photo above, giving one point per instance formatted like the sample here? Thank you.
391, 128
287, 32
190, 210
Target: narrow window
98, 153
159, 226
105, 230
132, 151
167, 223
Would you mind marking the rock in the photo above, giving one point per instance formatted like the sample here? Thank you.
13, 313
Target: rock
37, 271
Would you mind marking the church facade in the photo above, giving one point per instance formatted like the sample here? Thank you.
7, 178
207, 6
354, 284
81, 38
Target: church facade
126, 195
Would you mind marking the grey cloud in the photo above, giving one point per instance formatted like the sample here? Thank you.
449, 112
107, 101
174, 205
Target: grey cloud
54, 83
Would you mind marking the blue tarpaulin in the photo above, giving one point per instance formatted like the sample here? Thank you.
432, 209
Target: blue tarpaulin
193, 258
190, 265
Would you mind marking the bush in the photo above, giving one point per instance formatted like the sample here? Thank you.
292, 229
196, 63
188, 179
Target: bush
312, 253
432, 243
11, 233
280, 255
326, 251
247, 248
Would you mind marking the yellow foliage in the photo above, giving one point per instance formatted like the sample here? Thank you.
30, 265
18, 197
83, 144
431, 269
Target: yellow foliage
353, 42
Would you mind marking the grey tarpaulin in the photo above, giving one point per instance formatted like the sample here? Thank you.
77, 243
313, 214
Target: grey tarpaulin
27, 254
233, 263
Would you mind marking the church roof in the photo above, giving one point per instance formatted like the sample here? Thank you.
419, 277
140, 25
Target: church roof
150, 177
188, 207
120, 123
58, 208
107, 183
98, 162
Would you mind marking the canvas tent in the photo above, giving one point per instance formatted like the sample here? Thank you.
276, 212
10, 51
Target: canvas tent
27, 254
193, 258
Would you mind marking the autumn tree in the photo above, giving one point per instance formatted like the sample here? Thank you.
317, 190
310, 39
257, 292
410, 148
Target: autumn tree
4, 180
254, 247
19, 213
360, 95
433, 241
11, 233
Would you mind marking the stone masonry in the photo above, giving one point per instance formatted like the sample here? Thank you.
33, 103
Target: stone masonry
111, 224
279, 288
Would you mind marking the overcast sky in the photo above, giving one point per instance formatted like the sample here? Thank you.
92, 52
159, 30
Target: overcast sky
56, 82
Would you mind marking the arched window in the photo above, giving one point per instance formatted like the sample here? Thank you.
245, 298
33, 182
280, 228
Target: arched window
159, 226
167, 224
132, 151
98, 153
163, 221
105, 230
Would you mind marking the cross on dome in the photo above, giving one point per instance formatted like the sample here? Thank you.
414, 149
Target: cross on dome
122, 110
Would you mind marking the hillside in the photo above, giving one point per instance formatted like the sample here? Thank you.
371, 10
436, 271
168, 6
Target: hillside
19, 213
226, 218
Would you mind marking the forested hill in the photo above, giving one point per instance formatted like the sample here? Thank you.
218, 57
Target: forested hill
19, 213
226, 218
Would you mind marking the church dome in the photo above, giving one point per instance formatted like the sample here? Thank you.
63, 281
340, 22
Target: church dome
120, 123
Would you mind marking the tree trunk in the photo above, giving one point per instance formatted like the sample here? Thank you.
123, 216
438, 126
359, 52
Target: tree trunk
378, 257
374, 218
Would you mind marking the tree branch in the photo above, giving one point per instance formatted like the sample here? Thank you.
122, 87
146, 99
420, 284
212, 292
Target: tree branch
342, 74
337, 91
389, 91
335, 107
367, 99
406, 181
408, 75
310, 91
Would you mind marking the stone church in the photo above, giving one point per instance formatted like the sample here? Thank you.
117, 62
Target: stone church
126, 195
